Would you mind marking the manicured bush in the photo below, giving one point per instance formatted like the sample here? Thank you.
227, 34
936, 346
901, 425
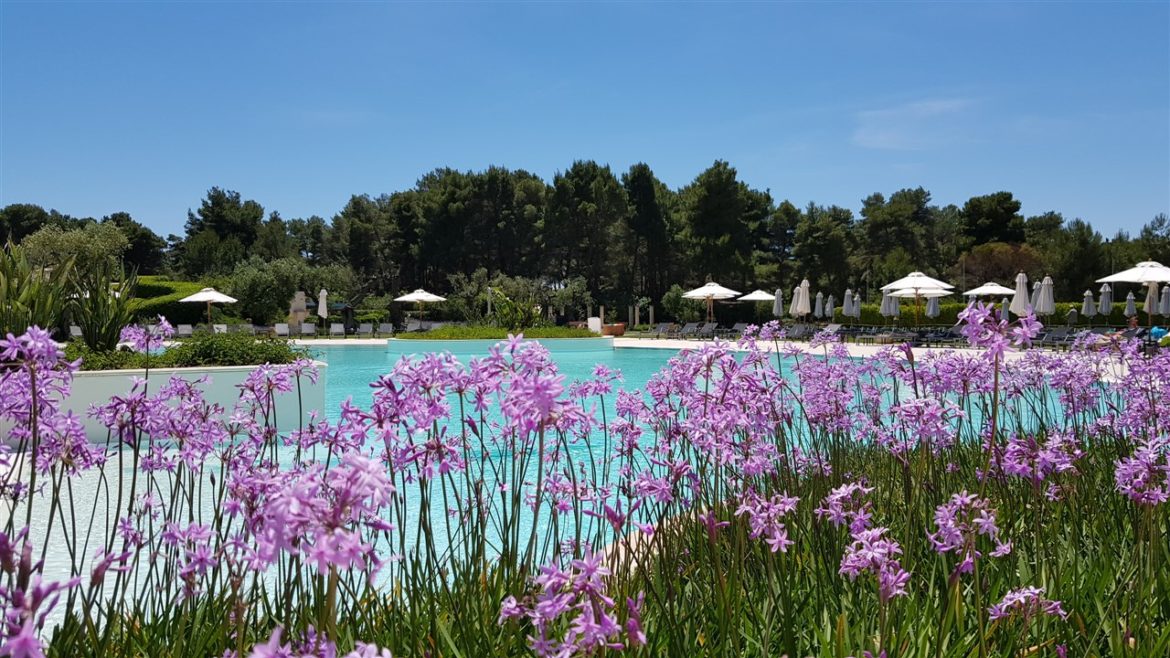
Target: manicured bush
203, 349
149, 304
457, 332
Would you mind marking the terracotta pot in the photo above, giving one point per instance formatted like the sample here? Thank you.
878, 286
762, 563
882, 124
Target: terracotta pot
618, 329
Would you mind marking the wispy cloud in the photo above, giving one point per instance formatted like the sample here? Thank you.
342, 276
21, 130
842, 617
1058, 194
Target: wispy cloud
915, 126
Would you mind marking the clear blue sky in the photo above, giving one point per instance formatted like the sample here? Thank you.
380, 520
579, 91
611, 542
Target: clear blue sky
144, 106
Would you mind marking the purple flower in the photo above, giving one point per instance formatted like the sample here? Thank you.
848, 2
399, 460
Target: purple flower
1026, 603
847, 504
1145, 476
958, 525
874, 553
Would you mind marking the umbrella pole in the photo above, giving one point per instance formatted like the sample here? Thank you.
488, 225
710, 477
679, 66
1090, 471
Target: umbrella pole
209, 314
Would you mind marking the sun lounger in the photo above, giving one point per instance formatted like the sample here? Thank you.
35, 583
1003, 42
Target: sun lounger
309, 329
219, 328
366, 329
662, 329
386, 329
281, 330
707, 330
336, 329
688, 330
184, 331
735, 331
414, 325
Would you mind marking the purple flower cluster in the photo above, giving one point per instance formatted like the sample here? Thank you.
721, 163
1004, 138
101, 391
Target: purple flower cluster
25, 598
958, 525
983, 329
847, 505
571, 613
311, 646
764, 517
874, 553
1026, 603
145, 339
1145, 476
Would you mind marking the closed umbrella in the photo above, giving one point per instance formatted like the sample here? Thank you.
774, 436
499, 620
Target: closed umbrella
1047, 304
805, 299
1151, 305
856, 308
1165, 305
932, 309
830, 302
819, 308
1145, 273
778, 305
322, 304
1105, 301
1088, 308
1020, 304
847, 303
209, 296
1004, 307
794, 307
711, 291
1035, 301
1130, 306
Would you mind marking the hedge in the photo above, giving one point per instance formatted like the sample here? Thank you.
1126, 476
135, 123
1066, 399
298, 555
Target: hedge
160, 296
949, 315
199, 350
457, 332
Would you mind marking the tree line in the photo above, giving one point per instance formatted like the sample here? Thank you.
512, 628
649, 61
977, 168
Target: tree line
629, 236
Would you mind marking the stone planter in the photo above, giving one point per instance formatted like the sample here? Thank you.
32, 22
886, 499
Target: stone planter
98, 386
617, 329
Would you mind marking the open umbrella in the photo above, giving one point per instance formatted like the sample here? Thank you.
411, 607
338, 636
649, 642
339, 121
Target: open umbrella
1020, 304
1164, 306
1105, 301
209, 296
1046, 304
710, 292
420, 297
1143, 272
918, 294
916, 280
1088, 308
778, 305
819, 308
989, 289
322, 304
1130, 306
758, 296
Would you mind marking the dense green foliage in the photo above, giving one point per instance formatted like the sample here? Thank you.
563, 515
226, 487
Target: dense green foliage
627, 236
459, 332
160, 296
101, 317
31, 295
203, 349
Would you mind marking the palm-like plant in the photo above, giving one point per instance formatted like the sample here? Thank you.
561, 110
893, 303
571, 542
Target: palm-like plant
101, 306
32, 295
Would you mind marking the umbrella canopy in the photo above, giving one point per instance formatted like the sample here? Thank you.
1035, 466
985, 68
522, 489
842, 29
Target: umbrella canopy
932, 309
856, 307
1035, 301
758, 296
209, 296
916, 280
923, 293
778, 305
1151, 305
1020, 304
805, 306
710, 292
819, 307
1004, 307
1130, 306
1088, 308
1047, 304
830, 302
323, 303
1164, 306
420, 296
1143, 272
988, 289
890, 307
1105, 302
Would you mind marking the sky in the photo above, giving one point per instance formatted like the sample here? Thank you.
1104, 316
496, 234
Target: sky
142, 107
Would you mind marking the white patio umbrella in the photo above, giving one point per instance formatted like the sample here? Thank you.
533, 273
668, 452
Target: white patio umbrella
830, 302
778, 304
209, 296
710, 292
1164, 306
794, 305
847, 304
918, 294
1105, 301
1020, 303
916, 280
819, 307
1004, 308
1088, 308
856, 307
1130, 306
932, 309
1143, 272
758, 296
420, 297
1035, 301
1047, 304
322, 304
805, 299
989, 289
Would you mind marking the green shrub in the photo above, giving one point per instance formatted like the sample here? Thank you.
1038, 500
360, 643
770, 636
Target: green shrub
149, 305
495, 333
99, 312
200, 350
31, 295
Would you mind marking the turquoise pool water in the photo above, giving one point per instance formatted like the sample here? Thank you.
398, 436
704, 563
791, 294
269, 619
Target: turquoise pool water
352, 368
